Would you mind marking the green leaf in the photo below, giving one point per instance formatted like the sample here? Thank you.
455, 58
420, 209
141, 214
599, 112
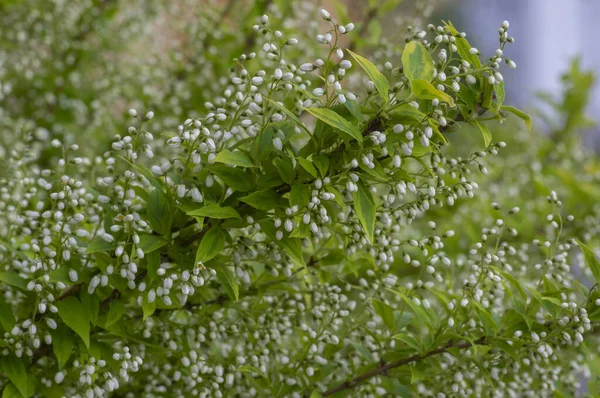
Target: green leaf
11, 391
212, 243
322, 163
115, 312
417, 62
489, 324
262, 200
62, 345
419, 311
251, 369
152, 263
308, 166
293, 248
300, 195
149, 243
354, 110
7, 317
234, 177
386, 313
13, 279
590, 260
425, 90
379, 80
159, 214
485, 132
463, 47
237, 158
506, 348
290, 115
406, 114
99, 245
148, 308
91, 305
409, 341
214, 210
285, 169
336, 121
365, 209
525, 117
515, 282
14, 369
75, 317
227, 279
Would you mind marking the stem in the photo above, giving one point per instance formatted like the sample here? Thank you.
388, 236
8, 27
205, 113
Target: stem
384, 367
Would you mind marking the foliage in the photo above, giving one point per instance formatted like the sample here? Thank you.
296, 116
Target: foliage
315, 232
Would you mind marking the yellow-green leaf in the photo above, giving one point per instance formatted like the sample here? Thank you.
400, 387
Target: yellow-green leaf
417, 62
463, 47
485, 133
336, 121
425, 90
525, 117
379, 80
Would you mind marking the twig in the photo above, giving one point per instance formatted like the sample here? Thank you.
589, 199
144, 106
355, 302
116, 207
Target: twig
384, 367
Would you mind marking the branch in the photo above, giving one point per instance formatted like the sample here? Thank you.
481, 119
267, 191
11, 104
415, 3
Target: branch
384, 367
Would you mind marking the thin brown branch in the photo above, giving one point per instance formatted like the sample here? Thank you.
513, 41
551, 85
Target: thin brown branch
384, 367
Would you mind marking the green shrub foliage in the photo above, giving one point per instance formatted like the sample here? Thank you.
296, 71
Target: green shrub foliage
314, 231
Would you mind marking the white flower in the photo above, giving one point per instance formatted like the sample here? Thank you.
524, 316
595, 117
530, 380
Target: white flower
132, 112
277, 144
325, 14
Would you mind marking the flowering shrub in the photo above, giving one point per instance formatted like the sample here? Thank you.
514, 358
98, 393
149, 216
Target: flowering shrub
309, 235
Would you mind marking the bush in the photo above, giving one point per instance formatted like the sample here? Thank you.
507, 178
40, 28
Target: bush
311, 234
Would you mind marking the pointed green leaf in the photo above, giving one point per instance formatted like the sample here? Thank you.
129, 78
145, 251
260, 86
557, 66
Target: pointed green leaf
14, 369
75, 317
290, 115
214, 210
159, 214
227, 279
234, 177
365, 209
11, 391
425, 90
293, 248
525, 117
262, 200
463, 47
99, 245
149, 243
336, 121
378, 79
308, 166
62, 345
285, 169
115, 312
237, 158
386, 313
485, 133
409, 341
13, 279
212, 243
417, 62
